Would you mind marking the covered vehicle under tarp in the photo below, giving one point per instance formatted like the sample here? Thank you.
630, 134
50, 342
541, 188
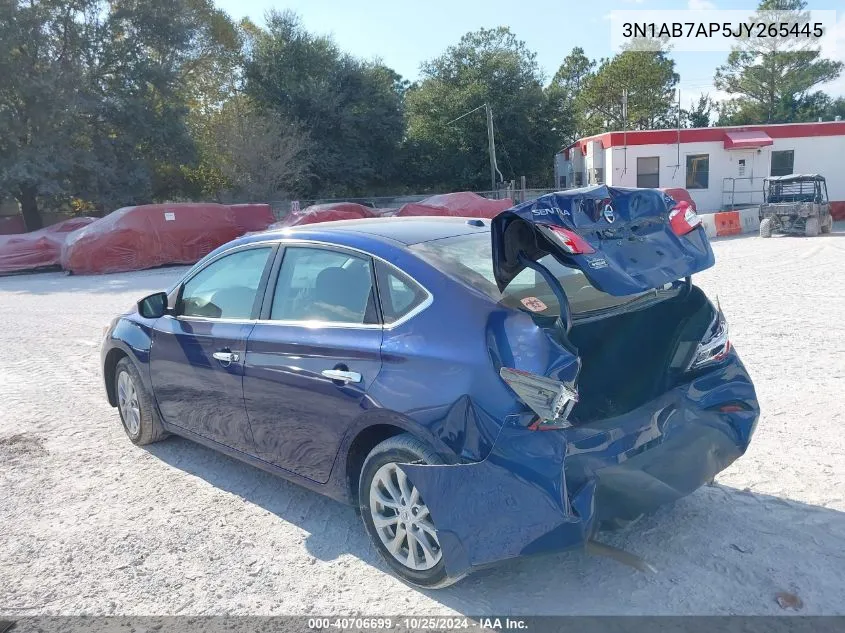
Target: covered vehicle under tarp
252, 216
146, 236
463, 204
325, 213
39, 249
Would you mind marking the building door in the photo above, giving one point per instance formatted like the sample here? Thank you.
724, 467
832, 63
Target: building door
747, 187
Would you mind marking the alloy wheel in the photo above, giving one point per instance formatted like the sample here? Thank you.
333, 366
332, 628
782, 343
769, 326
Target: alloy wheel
402, 519
127, 399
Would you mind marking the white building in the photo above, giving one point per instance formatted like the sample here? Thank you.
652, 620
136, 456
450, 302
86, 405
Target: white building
721, 167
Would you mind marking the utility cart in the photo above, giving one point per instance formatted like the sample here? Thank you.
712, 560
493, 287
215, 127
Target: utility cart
796, 204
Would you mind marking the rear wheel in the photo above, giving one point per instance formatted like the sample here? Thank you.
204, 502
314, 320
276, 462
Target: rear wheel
137, 412
395, 514
811, 228
766, 227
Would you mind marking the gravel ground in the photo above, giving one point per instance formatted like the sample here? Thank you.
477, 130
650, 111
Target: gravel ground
90, 524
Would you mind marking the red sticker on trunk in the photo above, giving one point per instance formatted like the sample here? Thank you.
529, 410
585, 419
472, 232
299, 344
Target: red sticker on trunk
534, 304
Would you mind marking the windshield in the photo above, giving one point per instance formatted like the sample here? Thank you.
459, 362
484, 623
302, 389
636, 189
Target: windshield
469, 259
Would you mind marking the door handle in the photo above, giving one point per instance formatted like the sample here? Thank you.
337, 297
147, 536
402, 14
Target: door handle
227, 357
342, 376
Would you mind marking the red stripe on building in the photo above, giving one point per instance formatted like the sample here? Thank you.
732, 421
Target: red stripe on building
709, 134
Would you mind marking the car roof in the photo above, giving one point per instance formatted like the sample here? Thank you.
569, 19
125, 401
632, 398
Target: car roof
409, 230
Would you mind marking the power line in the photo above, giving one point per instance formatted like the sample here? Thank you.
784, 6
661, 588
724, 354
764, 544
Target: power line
483, 105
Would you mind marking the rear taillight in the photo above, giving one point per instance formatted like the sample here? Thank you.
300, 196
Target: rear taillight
715, 346
683, 219
550, 399
568, 240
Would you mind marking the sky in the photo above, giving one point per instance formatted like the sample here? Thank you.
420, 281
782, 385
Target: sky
404, 34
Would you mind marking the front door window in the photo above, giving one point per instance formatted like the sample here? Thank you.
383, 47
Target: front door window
226, 288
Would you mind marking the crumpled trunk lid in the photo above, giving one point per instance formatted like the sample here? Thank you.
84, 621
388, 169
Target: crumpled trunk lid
634, 248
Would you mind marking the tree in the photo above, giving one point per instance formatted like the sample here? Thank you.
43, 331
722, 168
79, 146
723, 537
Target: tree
700, 113
489, 66
351, 108
650, 79
835, 108
94, 96
41, 55
563, 92
771, 78
251, 156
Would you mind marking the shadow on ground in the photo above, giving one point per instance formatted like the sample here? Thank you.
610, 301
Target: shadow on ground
718, 537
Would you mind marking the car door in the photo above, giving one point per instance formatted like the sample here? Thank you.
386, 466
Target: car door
197, 354
312, 356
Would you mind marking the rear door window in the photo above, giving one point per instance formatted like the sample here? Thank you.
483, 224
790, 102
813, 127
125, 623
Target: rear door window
316, 284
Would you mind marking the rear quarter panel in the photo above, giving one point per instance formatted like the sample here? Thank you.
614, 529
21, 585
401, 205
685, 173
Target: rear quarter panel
441, 368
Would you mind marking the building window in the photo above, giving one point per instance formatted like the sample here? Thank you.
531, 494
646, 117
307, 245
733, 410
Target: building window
782, 162
698, 171
648, 172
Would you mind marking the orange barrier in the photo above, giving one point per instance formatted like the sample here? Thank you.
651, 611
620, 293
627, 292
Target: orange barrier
728, 223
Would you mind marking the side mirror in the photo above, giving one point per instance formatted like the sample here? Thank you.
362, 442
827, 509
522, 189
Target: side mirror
154, 306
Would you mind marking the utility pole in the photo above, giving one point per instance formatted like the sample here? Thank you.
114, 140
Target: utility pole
678, 144
491, 142
491, 147
625, 130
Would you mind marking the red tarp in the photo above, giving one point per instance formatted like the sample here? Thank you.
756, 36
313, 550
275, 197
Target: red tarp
463, 204
837, 210
743, 140
14, 224
39, 249
149, 235
325, 213
253, 217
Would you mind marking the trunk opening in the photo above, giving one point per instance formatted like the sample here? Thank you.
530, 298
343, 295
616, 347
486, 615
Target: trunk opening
629, 359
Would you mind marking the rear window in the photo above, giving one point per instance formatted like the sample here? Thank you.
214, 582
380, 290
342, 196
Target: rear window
469, 258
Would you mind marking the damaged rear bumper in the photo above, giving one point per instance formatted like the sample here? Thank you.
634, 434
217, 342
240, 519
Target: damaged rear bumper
540, 492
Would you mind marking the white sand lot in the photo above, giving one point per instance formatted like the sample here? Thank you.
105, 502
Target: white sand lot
91, 524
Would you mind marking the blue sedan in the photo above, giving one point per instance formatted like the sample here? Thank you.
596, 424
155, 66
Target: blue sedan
480, 390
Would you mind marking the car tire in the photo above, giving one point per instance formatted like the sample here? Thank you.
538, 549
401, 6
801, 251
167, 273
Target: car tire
766, 227
827, 226
134, 403
811, 227
380, 467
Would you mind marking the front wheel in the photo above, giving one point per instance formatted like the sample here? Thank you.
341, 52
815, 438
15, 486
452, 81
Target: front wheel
766, 227
137, 412
811, 228
396, 516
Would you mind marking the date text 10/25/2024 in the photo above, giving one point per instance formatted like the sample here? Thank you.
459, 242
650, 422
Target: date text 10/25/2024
418, 623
